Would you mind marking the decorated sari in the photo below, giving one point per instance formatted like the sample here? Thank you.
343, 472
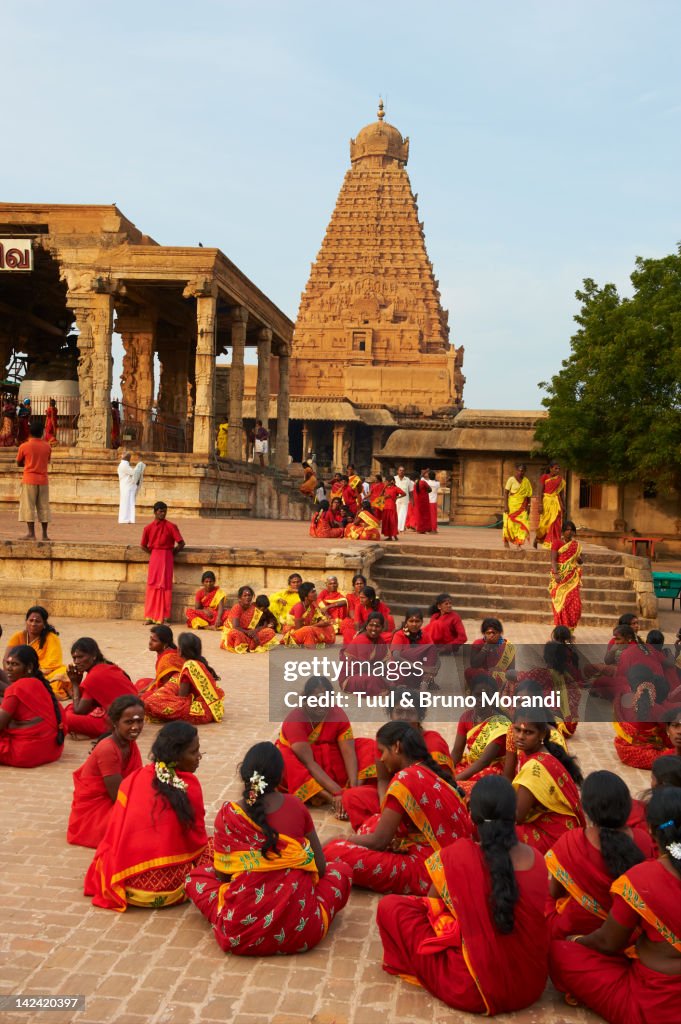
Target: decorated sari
620, 987
323, 524
206, 615
566, 585
550, 523
558, 806
517, 519
169, 665
434, 815
8, 429
368, 528
50, 659
312, 633
338, 612
281, 603
91, 805
478, 738
496, 664
638, 744
272, 903
450, 945
579, 867
377, 498
237, 641
203, 704
145, 854
323, 738
30, 737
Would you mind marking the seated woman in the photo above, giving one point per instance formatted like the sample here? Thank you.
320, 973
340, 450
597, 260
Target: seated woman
169, 661
491, 654
156, 831
625, 652
367, 603
410, 644
31, 727
585, 862
479, 941
481, 749
640, 734
193, 697
673, 722
365, 525
548, 802
554, 675
209, 605
327, 521
270, 890
307, 625
364, 801
333, 603
282, 601
666, 771
114, 756
96, 683
249, 627
596, 971
655, 640
445, 628
363, 663
422, 812
44, 639
318, 748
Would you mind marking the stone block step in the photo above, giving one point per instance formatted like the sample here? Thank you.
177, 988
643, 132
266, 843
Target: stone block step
523, 614
486, 562
91, 600
501, 603
394, 575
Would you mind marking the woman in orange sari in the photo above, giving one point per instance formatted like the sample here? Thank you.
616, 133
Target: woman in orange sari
156, 831
209, 605
50, 434
478, 941
31, 727
113, 757
552, 497
269, 890
193, 697
365, 525
566, 578
422, 812
377, 496
585, 862
249, 629
307, 625
333, 603
169, 661
599, 969
548, 802
327, 521
309, 484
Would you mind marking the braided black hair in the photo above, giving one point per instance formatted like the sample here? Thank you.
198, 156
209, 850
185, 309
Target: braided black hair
414, 748
493, 807
171, 742
265, 759
607, 802
189, 645
664, 818
637, 676
27, 657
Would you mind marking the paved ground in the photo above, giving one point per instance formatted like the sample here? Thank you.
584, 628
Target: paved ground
164, 967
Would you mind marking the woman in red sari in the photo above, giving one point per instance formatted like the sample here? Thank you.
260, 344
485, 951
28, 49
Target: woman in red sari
358, 584
368, 602
156, 831
411, 647
333, 603
194, 696
481, 750
209, 605
445, 628
365, 525
169, 661
478, 941
31, 727
552, 497
599, 969
585, 862
114, 756
249, 629
8, 430
377, 496
307, 625
96, 683
555, 676
546, 784
422, 504
50, 434
565, 586
389, 517
491, 655
364, 661
162, 540
638, 718
270, 890
422, 812
327, 521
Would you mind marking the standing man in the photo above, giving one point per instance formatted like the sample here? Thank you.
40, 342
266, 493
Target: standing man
402, 504
518, 492
34, 504
262, 439
162, 540
130, 481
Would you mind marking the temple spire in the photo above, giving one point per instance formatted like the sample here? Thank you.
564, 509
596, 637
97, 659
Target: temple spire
381, 109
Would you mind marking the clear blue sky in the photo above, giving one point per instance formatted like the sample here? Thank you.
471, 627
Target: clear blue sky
545, 141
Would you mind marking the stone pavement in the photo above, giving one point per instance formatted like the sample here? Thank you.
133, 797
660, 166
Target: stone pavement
164, 967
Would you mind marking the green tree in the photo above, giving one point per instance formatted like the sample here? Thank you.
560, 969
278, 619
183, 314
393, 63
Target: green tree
615, 406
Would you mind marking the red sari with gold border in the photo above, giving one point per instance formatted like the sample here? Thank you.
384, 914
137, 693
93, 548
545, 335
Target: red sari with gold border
169, 664
559, 807
91, 805
202, 705
323, 738
236, 641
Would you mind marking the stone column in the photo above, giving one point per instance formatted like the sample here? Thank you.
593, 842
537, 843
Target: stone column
93, 312
138, 333
204, 402
236, 383
304, 441
262, 390
281, 459
338, 435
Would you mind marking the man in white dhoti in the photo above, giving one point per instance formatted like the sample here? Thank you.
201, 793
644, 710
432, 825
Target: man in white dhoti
130, 481
402, 504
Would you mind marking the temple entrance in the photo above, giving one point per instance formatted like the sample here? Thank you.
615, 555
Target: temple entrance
295, 440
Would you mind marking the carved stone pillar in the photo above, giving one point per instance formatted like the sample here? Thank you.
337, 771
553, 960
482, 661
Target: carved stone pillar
204, 403
236, 383
138, 333
338, 435
173, 353
305, 440
262, 389
281, 458
93, 312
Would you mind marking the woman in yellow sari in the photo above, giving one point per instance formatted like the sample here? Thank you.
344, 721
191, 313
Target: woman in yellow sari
44, 640
282, 601
518, 492
566, 578
481, 750
491, 655
552, 494
195, 697
365, 525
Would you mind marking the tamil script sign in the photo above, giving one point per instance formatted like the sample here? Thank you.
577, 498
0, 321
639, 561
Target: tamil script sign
16, 254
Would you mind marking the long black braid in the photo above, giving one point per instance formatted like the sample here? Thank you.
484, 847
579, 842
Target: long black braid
492, 807
169, 745
261, 771
607, 803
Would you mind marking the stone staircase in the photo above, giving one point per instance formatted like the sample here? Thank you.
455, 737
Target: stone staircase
508, 584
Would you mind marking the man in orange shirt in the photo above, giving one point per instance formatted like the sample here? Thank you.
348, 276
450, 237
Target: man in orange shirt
34, 504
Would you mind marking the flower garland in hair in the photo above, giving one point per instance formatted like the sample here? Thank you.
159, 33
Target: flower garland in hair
674, 849
645, 688
257, 786
166, 773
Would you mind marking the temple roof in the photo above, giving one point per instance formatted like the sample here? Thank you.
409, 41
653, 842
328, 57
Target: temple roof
379, 140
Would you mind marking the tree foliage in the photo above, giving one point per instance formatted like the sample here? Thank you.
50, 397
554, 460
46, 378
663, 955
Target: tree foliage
615, 406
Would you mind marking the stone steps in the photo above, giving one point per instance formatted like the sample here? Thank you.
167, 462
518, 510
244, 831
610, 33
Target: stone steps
93, 600
480, 579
